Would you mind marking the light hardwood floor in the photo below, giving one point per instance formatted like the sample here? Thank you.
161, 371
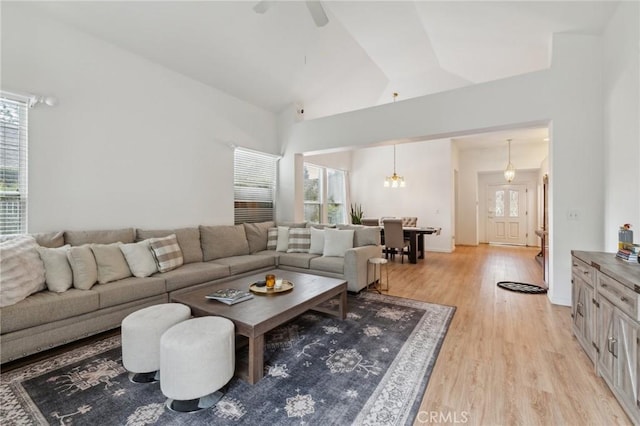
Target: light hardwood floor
508, 358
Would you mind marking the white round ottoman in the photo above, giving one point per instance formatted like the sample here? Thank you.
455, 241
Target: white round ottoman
140, 334
197, 358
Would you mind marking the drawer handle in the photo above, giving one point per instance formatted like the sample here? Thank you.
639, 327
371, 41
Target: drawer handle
611, 346
603, 285
586, 272
579, 309
624, 299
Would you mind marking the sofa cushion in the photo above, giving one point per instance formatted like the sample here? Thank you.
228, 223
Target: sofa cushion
293, 224
167, 253
194, 273
112, 265
272, 239
57, 270
49, 239
188, 239
22, 270
257, 235
364, 235
239, 264
128, 289
140, 259
328, 264
337, 242
83, 267
321, 225
78, 238
46, 306
223, 241
317, 241
299, 240
298, 260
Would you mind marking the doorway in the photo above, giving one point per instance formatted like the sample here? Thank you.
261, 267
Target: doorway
507, 214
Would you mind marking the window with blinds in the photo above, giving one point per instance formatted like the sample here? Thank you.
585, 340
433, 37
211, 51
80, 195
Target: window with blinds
13, 166
254, 186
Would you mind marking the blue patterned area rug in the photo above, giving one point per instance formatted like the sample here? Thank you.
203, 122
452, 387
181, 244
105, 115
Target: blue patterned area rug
371, 368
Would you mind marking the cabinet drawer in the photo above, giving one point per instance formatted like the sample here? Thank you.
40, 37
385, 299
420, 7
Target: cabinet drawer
621, 296
583, 270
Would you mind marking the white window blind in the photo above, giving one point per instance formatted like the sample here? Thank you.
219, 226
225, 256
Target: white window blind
13, 166
254, 186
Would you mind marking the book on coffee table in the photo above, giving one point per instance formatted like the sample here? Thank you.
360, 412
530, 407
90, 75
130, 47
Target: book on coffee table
230, 296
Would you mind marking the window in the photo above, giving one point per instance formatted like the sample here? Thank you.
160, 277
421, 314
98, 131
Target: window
13, 166
254, 186
312, 193
324, 195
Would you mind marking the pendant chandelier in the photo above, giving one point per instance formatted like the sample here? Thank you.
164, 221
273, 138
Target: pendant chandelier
394, 181
510, 171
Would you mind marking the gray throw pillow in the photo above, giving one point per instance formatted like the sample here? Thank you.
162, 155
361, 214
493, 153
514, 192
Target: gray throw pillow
83, 266
112, 265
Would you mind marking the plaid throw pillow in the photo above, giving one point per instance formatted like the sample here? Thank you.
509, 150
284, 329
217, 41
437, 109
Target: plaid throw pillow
166, 252
299, 240
272, 239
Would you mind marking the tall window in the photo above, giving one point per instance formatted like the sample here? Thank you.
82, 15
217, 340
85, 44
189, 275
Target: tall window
254, 186
324, 195
13, 166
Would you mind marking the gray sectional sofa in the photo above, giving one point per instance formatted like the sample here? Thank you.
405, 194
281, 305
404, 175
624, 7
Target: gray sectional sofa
211, 254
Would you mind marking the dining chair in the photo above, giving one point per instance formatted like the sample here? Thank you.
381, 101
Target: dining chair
370, 221
409, 221
394, 238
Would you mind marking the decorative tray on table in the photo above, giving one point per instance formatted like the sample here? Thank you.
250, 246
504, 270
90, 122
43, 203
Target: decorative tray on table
286, 286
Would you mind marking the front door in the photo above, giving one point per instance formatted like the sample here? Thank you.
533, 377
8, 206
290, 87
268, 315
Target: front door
507, 214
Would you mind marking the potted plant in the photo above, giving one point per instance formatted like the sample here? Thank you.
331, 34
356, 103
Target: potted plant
356, 214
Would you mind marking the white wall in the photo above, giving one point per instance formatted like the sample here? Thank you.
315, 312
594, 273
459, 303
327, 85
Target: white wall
130, 143
568, 96
475, 161
427, 169
622, 122
336, 160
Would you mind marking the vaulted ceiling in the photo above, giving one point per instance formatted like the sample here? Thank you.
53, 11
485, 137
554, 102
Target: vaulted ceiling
367, 51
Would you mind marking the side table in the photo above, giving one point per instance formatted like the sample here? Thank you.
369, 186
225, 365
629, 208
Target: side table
378, 285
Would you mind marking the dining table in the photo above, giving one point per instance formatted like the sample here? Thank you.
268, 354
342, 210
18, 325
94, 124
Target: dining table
414, 235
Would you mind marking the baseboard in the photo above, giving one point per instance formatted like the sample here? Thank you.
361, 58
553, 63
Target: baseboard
562, 301
439, 250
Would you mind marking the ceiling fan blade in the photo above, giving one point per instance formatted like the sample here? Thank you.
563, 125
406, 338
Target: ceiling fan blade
317, 13
262, 6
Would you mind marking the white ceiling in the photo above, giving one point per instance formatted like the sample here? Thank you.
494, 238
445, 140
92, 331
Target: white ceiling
367, 51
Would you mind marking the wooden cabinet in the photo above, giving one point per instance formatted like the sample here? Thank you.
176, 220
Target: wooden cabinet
611, 321
618, 360
582, 309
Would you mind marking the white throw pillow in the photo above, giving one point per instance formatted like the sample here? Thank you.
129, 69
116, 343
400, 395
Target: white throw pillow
22, 270
83, 266
317, 241
140, 258
283, 238
337, 242
58, 274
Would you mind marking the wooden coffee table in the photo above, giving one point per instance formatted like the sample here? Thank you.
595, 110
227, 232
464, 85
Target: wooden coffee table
255, 317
